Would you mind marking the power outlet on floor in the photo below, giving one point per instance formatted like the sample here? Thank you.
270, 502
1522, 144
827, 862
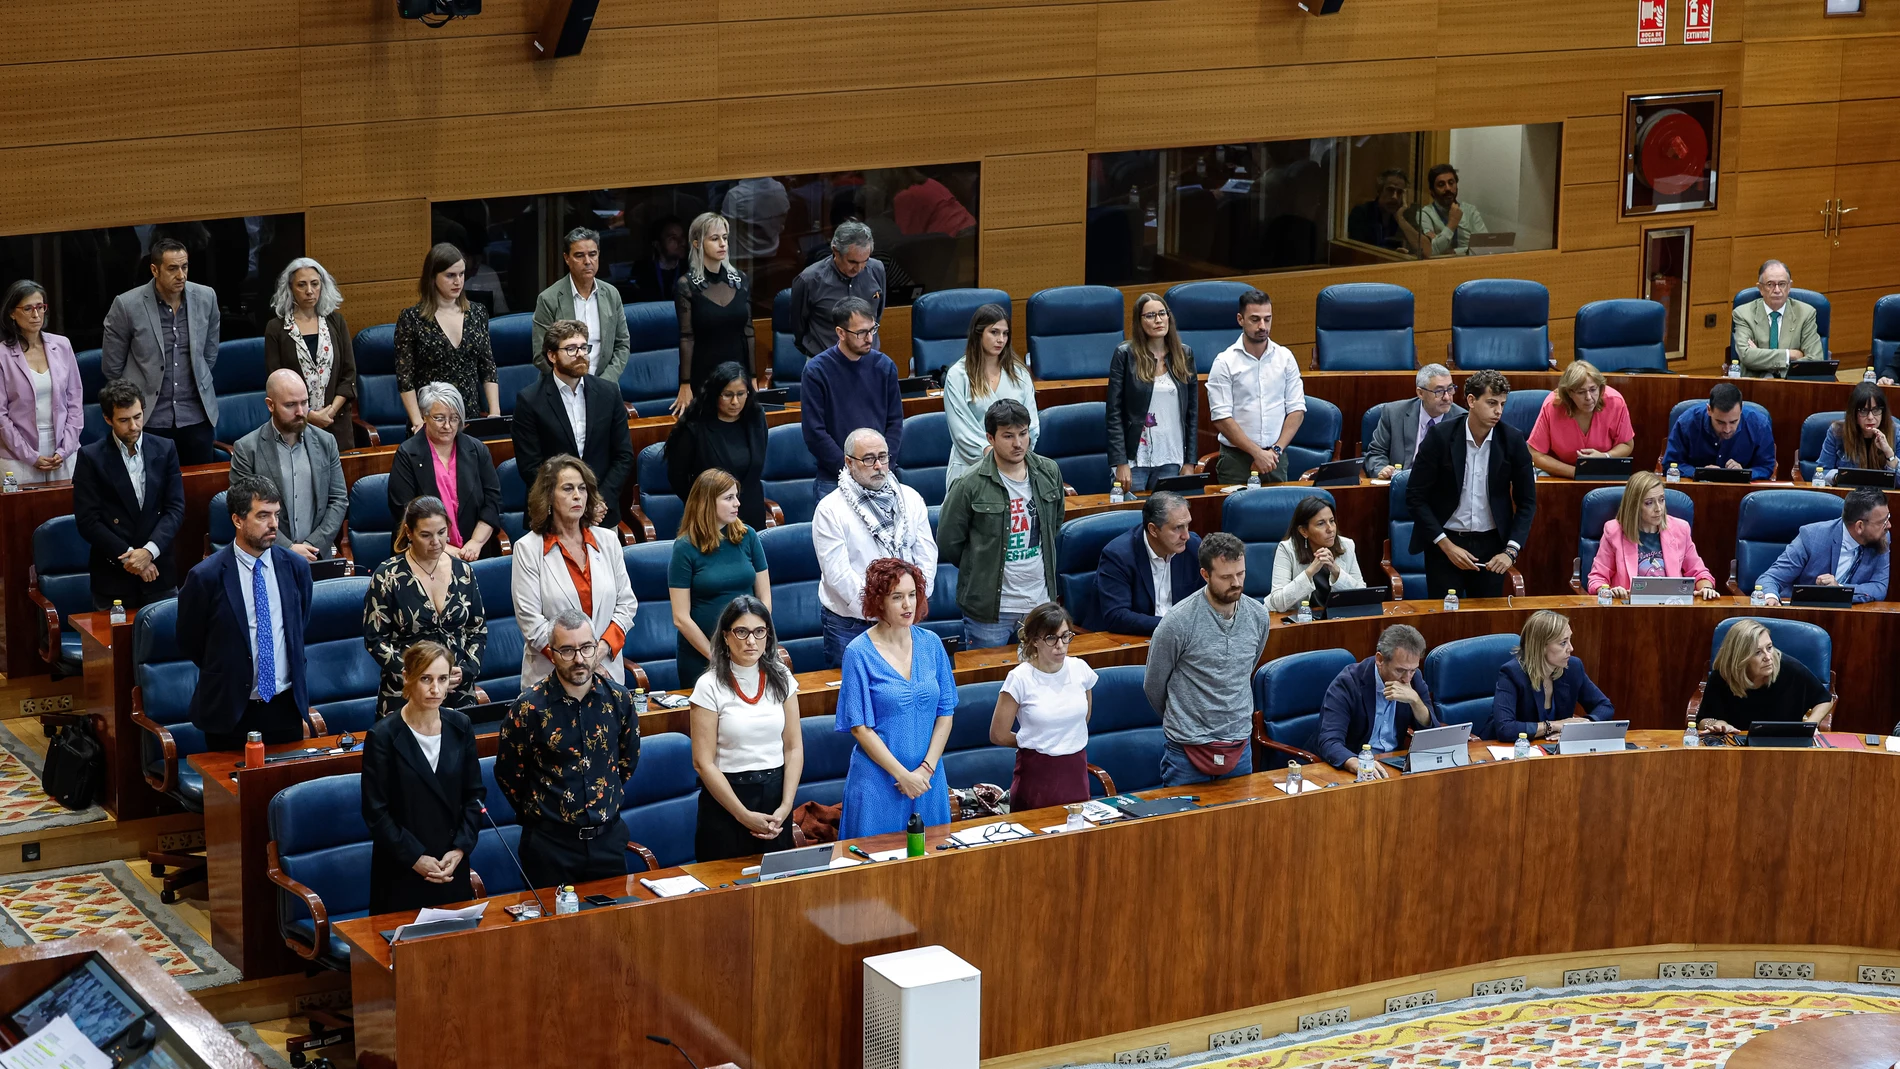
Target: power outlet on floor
181, 840
1604, 974
1503, 985
1142, 1055
1234, 1037
1325, 1018
1686, 970
1879, 974
51, 703
1411, 1002
322, 1000
1784, 970
29, 852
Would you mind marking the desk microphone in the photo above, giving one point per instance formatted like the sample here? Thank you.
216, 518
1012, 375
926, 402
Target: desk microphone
517, 860
665, 1042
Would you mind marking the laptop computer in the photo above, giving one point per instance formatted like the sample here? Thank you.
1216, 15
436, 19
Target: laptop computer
796, 861
1442, 747
915, 386
1662, 590
774, 399
1362, 601
1615, 469
1487, 244
1815, 594
1712, 474
331, 568
490, 428
1789, 734
1606, 736
1185, 484
1813, 369
1875, 478
1339, 472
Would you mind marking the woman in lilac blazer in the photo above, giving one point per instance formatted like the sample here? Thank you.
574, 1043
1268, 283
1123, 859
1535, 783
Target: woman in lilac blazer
41, 407
1662, 545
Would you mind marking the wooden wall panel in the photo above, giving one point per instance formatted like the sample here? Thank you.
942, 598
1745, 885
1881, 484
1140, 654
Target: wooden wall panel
330, 22
1866, 131
1851, 322
1706, 344
1870, 189
1034, 189
1781, 202
1785, 135
372, 242
1136, 111
368, 303
1209, 34
1593, 150
1771, 19
1868, 70
1024, 259
103, 100
1477, 27
743, 10
149, 180
1587, 218
1551, 86
1709, 270
47, 31
1791, 72
1866, 258
1809, 258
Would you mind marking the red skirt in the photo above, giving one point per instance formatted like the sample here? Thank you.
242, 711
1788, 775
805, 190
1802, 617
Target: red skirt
1042, 781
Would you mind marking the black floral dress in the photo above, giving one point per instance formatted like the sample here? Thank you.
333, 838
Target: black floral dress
424, 355
397, 614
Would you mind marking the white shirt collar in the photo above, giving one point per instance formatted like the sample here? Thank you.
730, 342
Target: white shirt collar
574, 287
1472, 439
571, 391
123, 451
245, 558
1153, 557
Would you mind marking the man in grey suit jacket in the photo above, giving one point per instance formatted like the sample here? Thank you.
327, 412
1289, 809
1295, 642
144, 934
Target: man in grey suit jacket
1773, 329
580, 296
164, 337
302, 462
1396, 440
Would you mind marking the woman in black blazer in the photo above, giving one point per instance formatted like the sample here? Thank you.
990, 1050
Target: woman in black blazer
723, 428
1544, 686
422, 792
1153, 356
473, 496
308, 336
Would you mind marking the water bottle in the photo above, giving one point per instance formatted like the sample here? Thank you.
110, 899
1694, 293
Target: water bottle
1305, 615
1365, 764
1674, 476
566, 901
1294, 784
639, 701
118, 612
1451, 601
1758, 598
1115, 495
914, 836
1734, 369
1603, 594
1691, 738
1868, 375
1523, 747
11, 485
1253, 480
1820, 477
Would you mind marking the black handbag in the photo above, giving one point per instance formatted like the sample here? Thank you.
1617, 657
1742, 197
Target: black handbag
75, 763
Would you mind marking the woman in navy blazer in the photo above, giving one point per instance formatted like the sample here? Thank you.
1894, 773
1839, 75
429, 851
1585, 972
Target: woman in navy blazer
42, 407
1540, 689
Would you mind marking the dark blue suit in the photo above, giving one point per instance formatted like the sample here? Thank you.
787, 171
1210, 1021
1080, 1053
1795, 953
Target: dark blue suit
1125, 583
214, 634
1518, 706
1345, 716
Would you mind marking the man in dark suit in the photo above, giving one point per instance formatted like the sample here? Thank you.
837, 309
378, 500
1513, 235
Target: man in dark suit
1472, 494
247, 605
128, 500
1379, 701
1127, 601
570, 411
1404, 424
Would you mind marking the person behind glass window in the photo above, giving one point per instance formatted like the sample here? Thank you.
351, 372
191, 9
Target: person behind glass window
849, 272
1751, 682
444, 338
1870, 443
747, 745
1255, 398
1583, 417
1153, 399
1644, 540
990, 371
1775, 330
1444, 223
455, 467
42, 403
1313, 560
713, 300
723, 428
716, 557
579, 296
1541, 688
656, 277
1382, 221
1404, 424
308, 335
1043, 713
164, 338
564, 561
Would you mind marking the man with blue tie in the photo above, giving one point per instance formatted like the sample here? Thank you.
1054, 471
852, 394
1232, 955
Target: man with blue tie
1850, 551
1145, 572
242, 612
1379, 701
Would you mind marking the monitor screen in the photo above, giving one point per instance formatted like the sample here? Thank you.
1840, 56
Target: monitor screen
100, 1005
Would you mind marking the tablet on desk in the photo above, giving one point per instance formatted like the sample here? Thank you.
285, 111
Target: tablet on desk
915, 386
490, 428
1339, 472
1874, 478
777, 397
1713, 474
1813, 369
1662, 590
1795, 734
1605, 736
1440, 747
1360, 601
797, 861
1185, 484
1834, 596
1615, 469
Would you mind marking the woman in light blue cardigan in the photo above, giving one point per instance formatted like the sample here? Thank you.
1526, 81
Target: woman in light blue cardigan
989, 372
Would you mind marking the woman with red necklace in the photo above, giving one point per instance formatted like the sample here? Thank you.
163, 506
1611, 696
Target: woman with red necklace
747, 747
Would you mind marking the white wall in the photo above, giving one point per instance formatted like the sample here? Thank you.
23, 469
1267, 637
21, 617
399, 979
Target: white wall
1510, 174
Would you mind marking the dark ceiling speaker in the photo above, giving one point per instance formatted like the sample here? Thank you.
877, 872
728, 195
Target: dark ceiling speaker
433, 13
564, 30
1321, 7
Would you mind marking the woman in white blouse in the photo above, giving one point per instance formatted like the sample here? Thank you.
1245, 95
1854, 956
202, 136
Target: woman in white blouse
1314, 559
747, 747
562, 563
989, 372
1153, 399
1043, 711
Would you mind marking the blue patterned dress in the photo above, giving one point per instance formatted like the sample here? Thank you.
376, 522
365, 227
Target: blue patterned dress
904, 713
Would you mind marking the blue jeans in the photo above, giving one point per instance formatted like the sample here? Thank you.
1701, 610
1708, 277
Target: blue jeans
1178, 771
839, 631
1144, 479
981, 636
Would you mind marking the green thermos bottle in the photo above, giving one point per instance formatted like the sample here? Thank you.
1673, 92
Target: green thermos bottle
915, 846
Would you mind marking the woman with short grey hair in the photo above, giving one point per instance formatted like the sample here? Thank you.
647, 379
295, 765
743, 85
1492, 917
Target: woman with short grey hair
308, 336
443, 462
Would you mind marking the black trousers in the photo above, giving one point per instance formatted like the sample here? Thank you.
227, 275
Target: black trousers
554, 854
193, 442
1442, 575
278, 719
719, 835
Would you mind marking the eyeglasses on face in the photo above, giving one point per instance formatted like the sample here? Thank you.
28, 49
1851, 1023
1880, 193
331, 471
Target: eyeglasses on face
1154, 317
444, 419
748, 634
32, 309
569, 653
862, 335
1057, 640
573, 350
873, 460
1437, 391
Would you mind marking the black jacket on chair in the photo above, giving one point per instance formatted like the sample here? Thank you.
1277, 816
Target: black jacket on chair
1128, 401
477, 487
541, 430
1438, 480
110, 520
413, 811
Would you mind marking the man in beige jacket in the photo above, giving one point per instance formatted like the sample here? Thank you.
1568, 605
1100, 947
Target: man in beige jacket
1774, 329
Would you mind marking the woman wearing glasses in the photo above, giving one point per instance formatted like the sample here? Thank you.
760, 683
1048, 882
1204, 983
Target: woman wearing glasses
1153, 403
747, 746
1583, 417
444, 463
563, 562
1043, 711
41, 400
424, 593
990, 371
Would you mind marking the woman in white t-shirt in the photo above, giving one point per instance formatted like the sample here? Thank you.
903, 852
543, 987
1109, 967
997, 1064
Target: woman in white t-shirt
747, 747
1046, 700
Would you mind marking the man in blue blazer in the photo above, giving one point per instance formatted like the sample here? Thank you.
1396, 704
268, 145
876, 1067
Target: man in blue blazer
1125, 596
1851, 551
242, 613
1380, 700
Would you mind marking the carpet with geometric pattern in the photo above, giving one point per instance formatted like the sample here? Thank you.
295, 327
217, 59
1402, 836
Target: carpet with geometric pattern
24, 806
1624, 1025
41, 907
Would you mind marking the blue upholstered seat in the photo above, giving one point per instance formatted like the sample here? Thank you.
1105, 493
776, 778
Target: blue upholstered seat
500, 675
62, 575
661, 807
1599, 507
1317, 439
163, 682
91, 374
969, 758
490, 860
1886, 340
322, 843
1521, 408
1364, 326
1369, 424
239, 414
512, 338
1078, 553
239, 367
1073, 331
1206, 314
1076, 438
514, 498
788, 472
827, 760
1125, 738
651, 380
793, 562
1287, 693
219, 530
945, 619
378, 397
1823, 318
1622, 335
1398, 541
940, 325
1767, 522
651, 641
1501, 323
1805, 642
1261, 518
923, 457
1463, 675
661, 506
341, 674
372, 528
788, 364
511, 380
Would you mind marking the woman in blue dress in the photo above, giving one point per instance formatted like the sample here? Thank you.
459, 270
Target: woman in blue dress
897, 700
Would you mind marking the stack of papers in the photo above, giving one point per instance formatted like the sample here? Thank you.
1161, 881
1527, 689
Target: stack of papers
60, 1045
673, 886
1306, 786
1503, 753
1100, 812
1000, 831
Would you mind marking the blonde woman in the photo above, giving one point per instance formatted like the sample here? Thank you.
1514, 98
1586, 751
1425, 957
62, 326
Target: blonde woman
564, 562
991, 370
1541, 689
1751, 682
1153, 400
1645, 540
716, 557
1583, 417
714, 302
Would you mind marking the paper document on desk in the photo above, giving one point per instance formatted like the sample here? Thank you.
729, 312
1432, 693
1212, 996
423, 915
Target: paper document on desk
1000, 831
1503, 753
1306, 786
1893, 744
1100, 812
60, 1045
673, 886
890, 855
466, 913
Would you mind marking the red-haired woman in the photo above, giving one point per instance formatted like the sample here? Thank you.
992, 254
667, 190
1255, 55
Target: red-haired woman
897, 700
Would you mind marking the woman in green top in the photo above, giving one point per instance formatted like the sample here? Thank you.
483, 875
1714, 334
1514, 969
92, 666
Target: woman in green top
715, 558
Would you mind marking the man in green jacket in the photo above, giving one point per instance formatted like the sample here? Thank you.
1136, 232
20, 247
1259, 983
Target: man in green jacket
998, 526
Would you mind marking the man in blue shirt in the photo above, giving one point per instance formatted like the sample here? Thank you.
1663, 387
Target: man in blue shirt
846, 387
1850, 551
1381, 701
1723, 433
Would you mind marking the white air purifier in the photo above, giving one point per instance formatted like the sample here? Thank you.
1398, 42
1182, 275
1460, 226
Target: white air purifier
923, 1009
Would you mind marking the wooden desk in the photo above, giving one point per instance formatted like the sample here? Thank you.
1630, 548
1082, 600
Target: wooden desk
1149, 922
1851, 1041
108, 698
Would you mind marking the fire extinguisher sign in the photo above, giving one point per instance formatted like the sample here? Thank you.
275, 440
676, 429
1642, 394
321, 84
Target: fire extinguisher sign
1698, 25
1652, 20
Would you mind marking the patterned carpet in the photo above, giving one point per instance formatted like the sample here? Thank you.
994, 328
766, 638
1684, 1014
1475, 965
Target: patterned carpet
1640, 1025
24, 807
39, 907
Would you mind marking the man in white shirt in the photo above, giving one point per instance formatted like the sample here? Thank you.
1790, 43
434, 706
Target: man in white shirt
869, 516
1255, 398
570, 411
1149, 570
1472, 494
580, 296
128, 504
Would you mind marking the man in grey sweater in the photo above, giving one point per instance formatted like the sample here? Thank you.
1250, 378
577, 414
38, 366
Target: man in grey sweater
1200, 670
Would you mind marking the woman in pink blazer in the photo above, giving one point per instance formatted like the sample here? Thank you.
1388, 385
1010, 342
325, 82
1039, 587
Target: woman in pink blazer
1661, 545
41, 407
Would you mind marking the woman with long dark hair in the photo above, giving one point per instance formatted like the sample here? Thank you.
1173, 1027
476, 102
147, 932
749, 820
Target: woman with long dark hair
1869, 444
42, 404
747, 746
444, 338
563, 561
723, 428
1153, 399
1313, 560
990, 371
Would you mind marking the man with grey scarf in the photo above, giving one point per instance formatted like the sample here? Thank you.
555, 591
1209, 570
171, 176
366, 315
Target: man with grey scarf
868, 517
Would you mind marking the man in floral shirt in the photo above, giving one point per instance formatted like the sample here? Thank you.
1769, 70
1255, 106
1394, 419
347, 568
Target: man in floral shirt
568, 748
